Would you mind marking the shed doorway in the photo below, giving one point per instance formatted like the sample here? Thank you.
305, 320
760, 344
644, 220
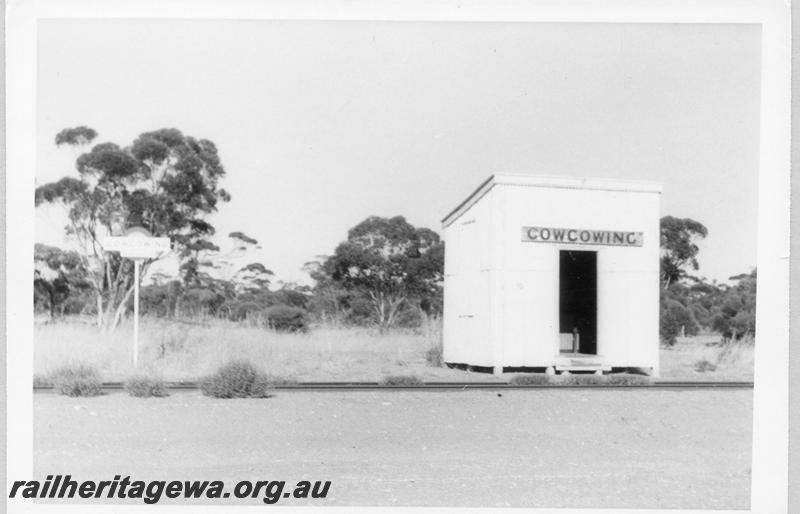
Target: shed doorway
578, 301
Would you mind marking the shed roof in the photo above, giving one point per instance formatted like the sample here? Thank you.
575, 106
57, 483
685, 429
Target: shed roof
512, 179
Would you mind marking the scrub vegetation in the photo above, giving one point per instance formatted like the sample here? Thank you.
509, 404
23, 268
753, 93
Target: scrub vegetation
186, 352
401, 380
386, 273
708, 357
76, 380
373, 309
237, 379
691, 304
146, 386
531, 379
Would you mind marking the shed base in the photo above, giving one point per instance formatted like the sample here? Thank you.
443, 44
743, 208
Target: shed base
580, 362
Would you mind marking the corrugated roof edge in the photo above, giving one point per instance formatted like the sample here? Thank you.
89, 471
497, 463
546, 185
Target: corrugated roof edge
554, 181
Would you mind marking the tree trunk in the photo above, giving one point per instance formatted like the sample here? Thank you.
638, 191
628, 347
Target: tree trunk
386, 308
394, 310
99, 310
115, 309
52, 295
113, 322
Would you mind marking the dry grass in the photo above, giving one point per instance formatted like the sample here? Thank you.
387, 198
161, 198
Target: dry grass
177, 351
707, 358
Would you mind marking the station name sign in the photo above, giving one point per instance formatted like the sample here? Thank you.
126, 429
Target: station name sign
137, 247
581, 236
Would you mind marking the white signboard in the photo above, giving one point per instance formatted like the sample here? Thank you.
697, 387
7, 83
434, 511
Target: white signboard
580, 236
137, 246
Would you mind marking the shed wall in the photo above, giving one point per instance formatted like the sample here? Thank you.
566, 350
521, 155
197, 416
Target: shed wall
468, 287
627, 321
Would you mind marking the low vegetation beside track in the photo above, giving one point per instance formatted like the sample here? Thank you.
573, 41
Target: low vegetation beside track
171, 352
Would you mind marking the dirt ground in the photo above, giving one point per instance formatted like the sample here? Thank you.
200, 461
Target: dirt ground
520, 448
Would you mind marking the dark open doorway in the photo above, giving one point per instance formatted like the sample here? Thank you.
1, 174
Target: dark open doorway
578, 297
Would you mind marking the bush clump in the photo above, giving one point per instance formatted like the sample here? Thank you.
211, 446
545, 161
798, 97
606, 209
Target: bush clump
531, 379
143, 386
704, 365
285, 318
624, 379
76, 380
240, 311
434, 356
237, 379
675, 319
401, 380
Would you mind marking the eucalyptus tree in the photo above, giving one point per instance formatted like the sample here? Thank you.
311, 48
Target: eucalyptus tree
390, 262
164, 181
679, 237
57, 274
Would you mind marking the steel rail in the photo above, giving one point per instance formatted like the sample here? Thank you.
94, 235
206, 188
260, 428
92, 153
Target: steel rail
448, 386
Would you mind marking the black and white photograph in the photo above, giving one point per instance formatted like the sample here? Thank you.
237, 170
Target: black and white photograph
429, 258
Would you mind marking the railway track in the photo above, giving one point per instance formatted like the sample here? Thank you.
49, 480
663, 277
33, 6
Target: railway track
449, 386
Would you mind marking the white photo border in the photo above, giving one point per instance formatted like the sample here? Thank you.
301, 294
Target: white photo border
770, 421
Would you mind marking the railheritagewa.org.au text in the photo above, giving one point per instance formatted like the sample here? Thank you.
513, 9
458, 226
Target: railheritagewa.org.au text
153, 491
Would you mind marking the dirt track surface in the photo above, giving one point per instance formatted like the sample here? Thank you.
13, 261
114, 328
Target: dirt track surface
529, 448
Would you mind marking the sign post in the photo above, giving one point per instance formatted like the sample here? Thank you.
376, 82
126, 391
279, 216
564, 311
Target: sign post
136, 263
137, 244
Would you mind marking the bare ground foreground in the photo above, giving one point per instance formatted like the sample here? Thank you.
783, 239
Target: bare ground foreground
522, 448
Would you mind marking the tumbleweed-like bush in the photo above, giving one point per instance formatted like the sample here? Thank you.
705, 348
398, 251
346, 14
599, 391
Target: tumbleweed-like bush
76, 380
145, 386
237, 379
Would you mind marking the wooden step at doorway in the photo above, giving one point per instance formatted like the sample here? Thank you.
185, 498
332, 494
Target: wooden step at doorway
580, 362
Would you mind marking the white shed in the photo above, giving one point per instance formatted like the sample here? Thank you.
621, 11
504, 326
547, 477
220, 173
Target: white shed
553, 272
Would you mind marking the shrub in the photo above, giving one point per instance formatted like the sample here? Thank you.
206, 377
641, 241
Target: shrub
76, 380
704, 365
401, 380
360, 312
675, 316
434, 356
625, 379
285, 318
575, 379
735, 312
736, 354
237, 379
73, 305
291, 297
143, 386
531, 379
409, 317
240, 311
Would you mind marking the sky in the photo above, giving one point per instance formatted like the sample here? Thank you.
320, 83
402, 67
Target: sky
321, 124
